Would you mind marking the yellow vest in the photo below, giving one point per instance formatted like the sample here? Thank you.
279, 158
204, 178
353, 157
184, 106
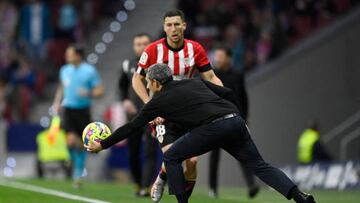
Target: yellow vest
52, 145
305, 145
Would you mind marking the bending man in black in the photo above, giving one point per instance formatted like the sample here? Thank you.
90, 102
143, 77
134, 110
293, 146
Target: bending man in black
212, 121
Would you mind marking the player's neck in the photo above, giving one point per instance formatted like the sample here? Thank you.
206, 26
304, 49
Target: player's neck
77, 63
175, 45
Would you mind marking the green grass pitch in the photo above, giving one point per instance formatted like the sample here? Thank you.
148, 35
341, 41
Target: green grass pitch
117, 193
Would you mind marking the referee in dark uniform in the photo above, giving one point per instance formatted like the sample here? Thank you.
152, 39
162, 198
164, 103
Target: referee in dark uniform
212, 121
132, 103
235, 81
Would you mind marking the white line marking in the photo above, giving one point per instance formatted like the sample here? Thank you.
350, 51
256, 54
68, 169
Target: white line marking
38, 189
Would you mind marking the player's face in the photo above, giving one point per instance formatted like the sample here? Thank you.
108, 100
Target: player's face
174, 28
221, 60
139, 44
71, 56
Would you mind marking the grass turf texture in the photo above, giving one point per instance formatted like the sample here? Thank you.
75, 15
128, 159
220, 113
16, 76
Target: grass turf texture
117, 193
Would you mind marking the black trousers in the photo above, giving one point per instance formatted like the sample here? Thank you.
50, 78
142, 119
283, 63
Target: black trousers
231, 135
142, 177
214, 168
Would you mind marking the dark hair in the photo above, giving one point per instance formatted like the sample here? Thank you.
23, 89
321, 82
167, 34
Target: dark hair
175, 12
160, 72
79, 49
226, 49
142, 34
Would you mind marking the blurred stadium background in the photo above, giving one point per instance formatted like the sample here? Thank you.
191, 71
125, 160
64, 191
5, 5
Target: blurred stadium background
300, 57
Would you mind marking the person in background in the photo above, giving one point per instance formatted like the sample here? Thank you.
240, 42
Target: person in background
310, 147
79, 83
235, 81
67, 21
35, 29
132, 104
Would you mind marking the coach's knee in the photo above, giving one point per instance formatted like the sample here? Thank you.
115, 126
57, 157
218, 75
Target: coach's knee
171, 157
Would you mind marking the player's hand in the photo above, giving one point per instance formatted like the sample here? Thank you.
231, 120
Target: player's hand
157, 121
93, 147
83, 92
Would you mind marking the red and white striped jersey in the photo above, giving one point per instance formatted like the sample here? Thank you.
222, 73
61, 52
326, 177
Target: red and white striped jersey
182, 61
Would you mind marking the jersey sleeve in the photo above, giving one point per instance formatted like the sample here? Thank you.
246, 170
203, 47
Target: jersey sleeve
95, 78
201, 60
144, 61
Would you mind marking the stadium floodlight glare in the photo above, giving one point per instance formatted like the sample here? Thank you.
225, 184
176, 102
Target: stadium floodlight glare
45, 121
115, 26
121, 16
92, 58
11, 162
108, 37
129, 5
100, 48
8, 172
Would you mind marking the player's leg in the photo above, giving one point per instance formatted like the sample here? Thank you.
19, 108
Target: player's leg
134, 143
243, 149
190, 174
166, 135
249, 177
213, 172
74, 143
81, 119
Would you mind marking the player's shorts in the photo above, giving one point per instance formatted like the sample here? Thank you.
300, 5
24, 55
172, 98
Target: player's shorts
168, 133
75, 120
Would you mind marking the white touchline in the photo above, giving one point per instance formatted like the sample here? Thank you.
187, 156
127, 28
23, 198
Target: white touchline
38, 189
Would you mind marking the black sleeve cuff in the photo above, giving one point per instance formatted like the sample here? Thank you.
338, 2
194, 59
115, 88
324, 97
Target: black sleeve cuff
205, 68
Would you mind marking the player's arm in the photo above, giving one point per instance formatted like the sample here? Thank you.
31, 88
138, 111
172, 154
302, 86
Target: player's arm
98, 91
211, 77
58, 98
139, 87
203, 65
97, 88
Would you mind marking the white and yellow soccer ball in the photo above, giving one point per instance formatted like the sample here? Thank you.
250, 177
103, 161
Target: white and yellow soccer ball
96, 131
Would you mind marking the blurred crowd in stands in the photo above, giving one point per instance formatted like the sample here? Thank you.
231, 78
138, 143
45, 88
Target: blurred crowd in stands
258, 30
33, 37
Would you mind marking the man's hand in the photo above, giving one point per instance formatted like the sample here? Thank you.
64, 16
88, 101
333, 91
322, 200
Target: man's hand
93, 147
157, 121
83, 92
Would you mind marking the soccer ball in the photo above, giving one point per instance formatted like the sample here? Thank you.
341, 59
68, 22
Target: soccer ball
96, 131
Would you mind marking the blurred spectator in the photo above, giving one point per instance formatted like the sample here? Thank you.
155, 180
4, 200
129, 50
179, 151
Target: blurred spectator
263, 48
8, 21
24, 74
21, 83
258, 31
35, 29
310, 147
235, 41
68, 19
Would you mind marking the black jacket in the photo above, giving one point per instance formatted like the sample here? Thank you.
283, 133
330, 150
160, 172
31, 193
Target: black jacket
190, 103
126, 91
236, 82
